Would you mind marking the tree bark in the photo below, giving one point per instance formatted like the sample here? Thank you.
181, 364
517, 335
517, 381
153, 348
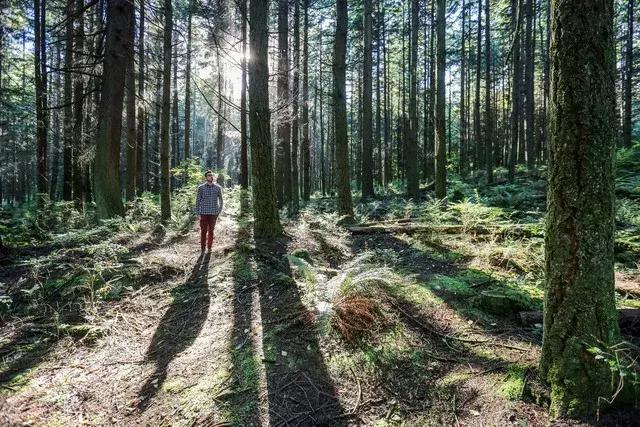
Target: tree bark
441, 137
118, 49
165, 125
266, 221
367, 115
306, 149
78, 110
488, 143
627, 125
141, 133
283, 153
341, 155
295, 128
579, 292
411, 161
244, 154
130, 108
516, 10
67, 121
187, 83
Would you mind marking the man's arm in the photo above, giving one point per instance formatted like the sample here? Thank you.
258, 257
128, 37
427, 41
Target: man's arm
220, 197
198, 199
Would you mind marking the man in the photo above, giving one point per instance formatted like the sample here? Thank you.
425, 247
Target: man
208, 206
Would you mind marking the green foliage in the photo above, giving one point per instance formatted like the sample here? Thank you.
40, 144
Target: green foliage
513, 385
622, 360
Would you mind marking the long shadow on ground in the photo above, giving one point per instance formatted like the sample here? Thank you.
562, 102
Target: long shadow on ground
178, 328
299, 390
424, 267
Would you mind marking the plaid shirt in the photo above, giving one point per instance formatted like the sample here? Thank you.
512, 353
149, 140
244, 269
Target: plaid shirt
209, 199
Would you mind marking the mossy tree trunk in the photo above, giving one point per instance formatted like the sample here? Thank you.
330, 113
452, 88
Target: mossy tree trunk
266, 220
118, 50
341, 153
579, 294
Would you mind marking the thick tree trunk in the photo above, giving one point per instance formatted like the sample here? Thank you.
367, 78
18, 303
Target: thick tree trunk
367, 115
118, 50
441, 137
266, 220
579, 292
165, 125
341, 155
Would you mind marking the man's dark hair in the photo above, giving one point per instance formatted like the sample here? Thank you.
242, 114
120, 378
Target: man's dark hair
208, 172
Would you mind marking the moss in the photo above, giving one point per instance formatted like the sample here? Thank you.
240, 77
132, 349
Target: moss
513, 384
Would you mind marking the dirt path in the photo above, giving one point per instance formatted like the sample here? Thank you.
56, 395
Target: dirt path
191, 350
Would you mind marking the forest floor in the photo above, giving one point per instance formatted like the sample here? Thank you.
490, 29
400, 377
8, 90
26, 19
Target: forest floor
399, 321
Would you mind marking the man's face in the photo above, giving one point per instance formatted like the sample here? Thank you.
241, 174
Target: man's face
209, 177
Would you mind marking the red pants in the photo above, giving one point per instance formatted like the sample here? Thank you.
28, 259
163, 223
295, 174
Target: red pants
207, 223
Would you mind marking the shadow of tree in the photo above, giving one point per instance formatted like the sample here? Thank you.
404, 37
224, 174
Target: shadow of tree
425, 266
178, 328
299, 389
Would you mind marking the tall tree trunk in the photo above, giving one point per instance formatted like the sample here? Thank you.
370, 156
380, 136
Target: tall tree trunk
118, 50
175, 122
78, 110
141, 133
187, 82
528, 82
476, 102
283, 154
244, 154
441, 160
627, 125
67, 121
130, 107
220, 126
411, 161
579, 298
295, 129
462, 145
516, 11
266, 223
488, 144
341, 155
306, 150
165, 125
367, 116
42, 119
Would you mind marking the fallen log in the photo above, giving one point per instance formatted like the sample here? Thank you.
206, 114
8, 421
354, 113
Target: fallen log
410, 227
628, 319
